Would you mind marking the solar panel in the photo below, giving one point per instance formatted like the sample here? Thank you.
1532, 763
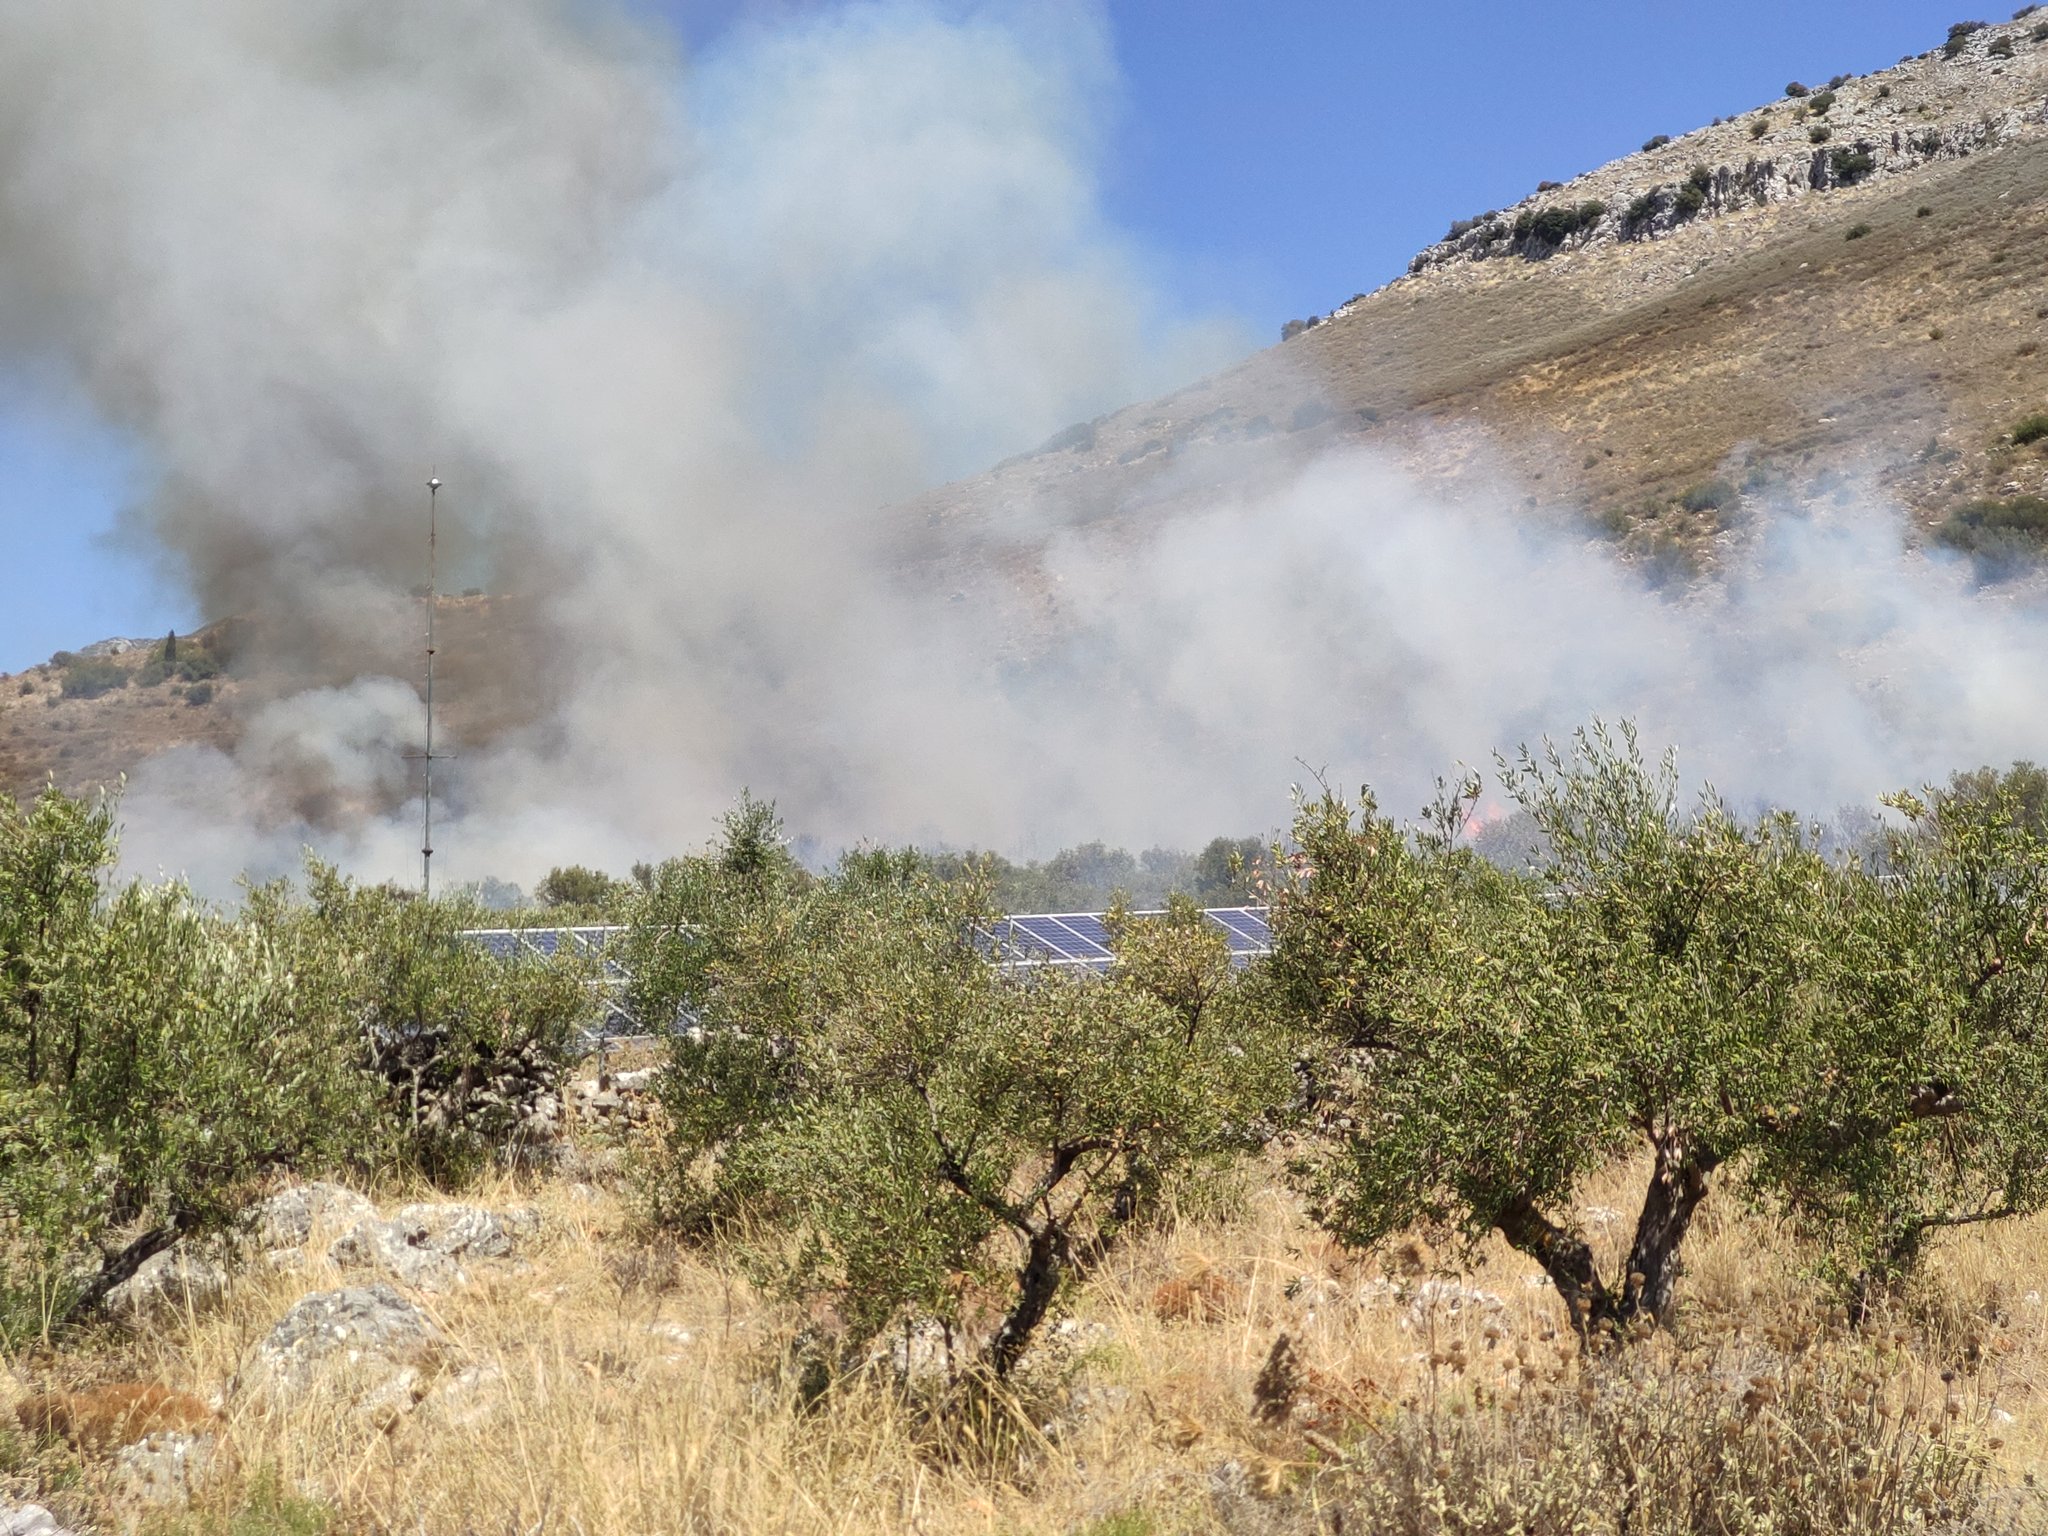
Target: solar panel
1021, 942
1249, 921
1088, 926
1244, 930
1058, 933
1081, 940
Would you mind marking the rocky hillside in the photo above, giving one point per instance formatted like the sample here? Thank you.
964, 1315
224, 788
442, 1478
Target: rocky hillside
1851, 278
1980, 91
86, 718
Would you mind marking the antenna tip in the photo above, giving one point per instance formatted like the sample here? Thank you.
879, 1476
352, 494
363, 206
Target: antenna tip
433, 483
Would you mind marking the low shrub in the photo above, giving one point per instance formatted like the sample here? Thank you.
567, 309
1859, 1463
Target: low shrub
189, 663
459, 1041
1820, 133
1923, 212
2001, 536
1644, 208
1884, 93
1707, 1441
1850, 164
1856, 232
2040, 32
1836, 83
1959, 37
2001, 48
2029, 429
1759, 126
1540, 231
1796, 90
1821, 101
199, 693
1710, 496
1656, 141
87, 677
264, 1509
1926, 143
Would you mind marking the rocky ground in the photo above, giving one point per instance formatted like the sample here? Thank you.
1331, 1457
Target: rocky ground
530, 1357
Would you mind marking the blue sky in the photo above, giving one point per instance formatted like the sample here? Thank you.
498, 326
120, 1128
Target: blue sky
1271, 160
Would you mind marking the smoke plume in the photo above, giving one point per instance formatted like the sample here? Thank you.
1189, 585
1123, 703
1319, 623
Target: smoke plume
676, 331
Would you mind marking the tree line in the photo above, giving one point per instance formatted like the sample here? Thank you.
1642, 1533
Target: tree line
859, 1106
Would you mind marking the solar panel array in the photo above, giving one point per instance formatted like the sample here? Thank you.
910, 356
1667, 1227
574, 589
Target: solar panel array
600, 942
1080, 940
1020, 943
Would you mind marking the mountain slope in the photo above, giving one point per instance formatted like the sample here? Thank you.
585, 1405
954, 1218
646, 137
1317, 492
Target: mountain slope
1792, 325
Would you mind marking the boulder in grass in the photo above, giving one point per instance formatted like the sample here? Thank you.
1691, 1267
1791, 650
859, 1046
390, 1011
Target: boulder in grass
164, 1468
426, 1246
29, 1520
174, 1284
291, 1217
360, 1338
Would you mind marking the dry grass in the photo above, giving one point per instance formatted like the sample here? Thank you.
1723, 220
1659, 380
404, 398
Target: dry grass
603, 1385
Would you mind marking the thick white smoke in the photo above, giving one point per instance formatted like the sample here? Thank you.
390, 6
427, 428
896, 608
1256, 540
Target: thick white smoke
673, 334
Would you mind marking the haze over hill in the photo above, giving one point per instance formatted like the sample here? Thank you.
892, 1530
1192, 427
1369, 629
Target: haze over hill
669, 360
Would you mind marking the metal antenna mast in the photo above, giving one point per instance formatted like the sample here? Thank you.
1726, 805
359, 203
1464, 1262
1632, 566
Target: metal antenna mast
429, 757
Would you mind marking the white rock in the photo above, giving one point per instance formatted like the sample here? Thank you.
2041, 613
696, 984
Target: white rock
1448, 1296
369, 1332
288, 1218
175, 1283
29, 1520
164, 1468
425, 1245
392, 1398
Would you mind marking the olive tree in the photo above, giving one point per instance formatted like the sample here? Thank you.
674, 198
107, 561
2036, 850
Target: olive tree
1923, 1100
156, 1061
1495, 1039
913, 1125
